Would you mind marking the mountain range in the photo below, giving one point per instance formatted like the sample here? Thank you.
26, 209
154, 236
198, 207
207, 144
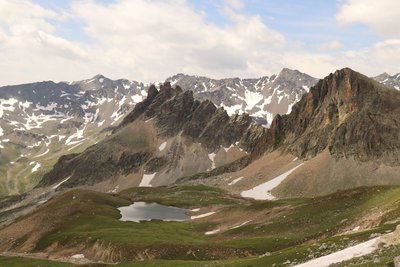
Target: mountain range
311, 169
42, 121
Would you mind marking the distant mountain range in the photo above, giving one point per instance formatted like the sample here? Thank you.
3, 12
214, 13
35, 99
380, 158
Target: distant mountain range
262, 98
390, 81
41, 121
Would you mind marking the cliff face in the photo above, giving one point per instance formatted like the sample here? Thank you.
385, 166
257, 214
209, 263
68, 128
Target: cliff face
348, 113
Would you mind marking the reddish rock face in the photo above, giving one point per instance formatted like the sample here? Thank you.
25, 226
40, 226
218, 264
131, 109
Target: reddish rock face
348, 113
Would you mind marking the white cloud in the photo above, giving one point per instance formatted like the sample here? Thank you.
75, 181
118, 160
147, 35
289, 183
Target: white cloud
143, 40
163, 37
381, 57
318, 65
332, 45
382, 15
151, 40
29, 47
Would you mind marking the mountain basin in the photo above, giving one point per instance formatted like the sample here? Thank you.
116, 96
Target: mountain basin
142, 211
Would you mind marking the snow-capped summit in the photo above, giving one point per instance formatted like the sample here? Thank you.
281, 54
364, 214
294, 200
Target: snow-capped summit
388, 80
262, 98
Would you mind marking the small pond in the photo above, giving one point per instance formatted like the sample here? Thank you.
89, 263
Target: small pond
142, 211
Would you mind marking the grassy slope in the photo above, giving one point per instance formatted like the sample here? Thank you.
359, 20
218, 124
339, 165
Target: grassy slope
307, 226
18, 177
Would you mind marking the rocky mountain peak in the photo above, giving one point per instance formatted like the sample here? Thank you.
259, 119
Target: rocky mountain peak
345, 112
388, 80
382, 77
263, 97
289, 72
172, 114
174, 110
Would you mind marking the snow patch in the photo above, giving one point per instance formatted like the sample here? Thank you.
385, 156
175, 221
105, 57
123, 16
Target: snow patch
78, 256
227, 148
101, 123
236, 180
162, 146
205, 87
7, 105
49, 107
202, 215
232, 109
114, 190
116, 116
212, 232
60, 183
252, 98
240, 225
146, 180
358, 250
263, 191
44, 153
36, 167
211, 156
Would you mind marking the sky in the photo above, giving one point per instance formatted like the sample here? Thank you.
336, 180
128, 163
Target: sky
150, 40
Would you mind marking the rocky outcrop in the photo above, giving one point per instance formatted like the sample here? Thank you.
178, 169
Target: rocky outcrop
172, 112
348, 113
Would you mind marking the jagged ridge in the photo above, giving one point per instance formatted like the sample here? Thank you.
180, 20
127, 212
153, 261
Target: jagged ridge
173, 112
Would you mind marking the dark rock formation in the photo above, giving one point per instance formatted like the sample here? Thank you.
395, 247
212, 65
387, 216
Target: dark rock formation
173, 112
348, 113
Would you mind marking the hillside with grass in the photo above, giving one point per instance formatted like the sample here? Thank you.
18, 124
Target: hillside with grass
251, 233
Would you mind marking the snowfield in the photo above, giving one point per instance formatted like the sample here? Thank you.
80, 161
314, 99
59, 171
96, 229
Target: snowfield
236, 180
146, 180
343, 255
60, 183
211, 156
36, 167
263, 191
212, 232
202, 215
162, 146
